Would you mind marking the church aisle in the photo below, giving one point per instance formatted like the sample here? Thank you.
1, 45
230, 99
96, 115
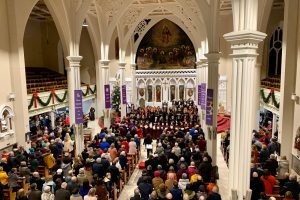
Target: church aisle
128, 190
223, 171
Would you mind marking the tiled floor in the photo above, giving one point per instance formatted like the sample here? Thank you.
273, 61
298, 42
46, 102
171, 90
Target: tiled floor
127, 192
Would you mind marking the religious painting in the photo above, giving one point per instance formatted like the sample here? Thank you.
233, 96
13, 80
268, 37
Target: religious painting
142, 103
141, 92
158, 93
172, 92
181, 92
190, 92
165, 46
149, 89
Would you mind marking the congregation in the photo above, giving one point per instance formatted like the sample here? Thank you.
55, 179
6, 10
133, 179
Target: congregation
177, 166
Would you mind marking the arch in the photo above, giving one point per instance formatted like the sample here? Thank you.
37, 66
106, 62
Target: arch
190, 83
157, 82
166, 46
4, 108
153, 22
57, 23
181, 82
172, 81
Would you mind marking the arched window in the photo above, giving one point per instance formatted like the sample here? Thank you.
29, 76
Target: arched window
6, 123
275, 52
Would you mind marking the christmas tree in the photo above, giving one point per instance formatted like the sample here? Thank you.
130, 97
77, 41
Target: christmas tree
116, 99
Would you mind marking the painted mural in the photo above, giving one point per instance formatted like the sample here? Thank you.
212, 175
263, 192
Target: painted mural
165, 46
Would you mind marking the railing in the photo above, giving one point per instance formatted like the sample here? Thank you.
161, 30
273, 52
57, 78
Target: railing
164, 73
45, 101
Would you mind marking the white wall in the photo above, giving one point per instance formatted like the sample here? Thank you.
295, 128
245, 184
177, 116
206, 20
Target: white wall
87, 68
5, 80
40, 45
276, 16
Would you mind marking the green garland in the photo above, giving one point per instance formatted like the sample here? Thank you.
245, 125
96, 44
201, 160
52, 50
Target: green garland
31, 103
60, 100
86, 92
93, 91
44, 103
276, 104
267, 99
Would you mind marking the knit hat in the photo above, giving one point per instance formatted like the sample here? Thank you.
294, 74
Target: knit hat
157, 174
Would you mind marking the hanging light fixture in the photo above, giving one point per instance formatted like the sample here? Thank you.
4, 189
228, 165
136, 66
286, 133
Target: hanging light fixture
84, 23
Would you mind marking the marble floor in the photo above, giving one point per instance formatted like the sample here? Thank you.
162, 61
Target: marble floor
127, 192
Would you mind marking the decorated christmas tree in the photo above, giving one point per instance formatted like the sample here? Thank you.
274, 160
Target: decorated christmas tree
116, 99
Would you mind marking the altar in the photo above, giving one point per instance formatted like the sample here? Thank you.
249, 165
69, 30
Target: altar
157, 86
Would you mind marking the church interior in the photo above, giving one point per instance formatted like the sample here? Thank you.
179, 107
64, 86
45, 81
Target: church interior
150, 99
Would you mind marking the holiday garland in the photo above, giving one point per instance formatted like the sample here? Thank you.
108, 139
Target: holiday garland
267, 99
53, 95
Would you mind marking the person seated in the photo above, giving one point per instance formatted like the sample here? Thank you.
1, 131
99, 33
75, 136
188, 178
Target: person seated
271, 164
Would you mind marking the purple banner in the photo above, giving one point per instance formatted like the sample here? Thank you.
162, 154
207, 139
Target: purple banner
107, 96
78, 106
124, 99
203, 96
209, 107
199, 95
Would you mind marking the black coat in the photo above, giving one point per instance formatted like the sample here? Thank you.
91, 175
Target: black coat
214, 196
62, 194
205, 169
257, 186
145, 190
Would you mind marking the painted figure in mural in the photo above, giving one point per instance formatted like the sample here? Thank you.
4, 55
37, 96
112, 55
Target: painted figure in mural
166, 34
172, 92
158, 93
149, 93
181, 92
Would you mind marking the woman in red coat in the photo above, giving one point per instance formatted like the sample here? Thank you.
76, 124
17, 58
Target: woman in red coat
269, 181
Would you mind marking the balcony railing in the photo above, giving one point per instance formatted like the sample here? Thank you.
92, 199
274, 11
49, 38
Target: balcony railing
45, 101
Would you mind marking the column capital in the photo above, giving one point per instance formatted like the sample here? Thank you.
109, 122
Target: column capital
244, 43
133, 65
213, 57
122, 65
201, 63
74, 61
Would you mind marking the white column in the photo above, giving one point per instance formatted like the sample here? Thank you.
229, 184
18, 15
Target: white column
122, 82
105, 81
213, 83
74, 84
99, 91
243, 109
274, 124
52, 117
203, 79
133, 81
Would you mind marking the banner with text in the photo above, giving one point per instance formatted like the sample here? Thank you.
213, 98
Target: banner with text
203, 95
209, 107
107, 96
78, 106
124, 99
199, 95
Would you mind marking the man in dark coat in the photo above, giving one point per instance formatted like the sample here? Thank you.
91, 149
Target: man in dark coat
215, 194
205, 169
292, 186
62, 193
256, 185
145, 188
115, 173
176, 192
271, 164
34, 194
